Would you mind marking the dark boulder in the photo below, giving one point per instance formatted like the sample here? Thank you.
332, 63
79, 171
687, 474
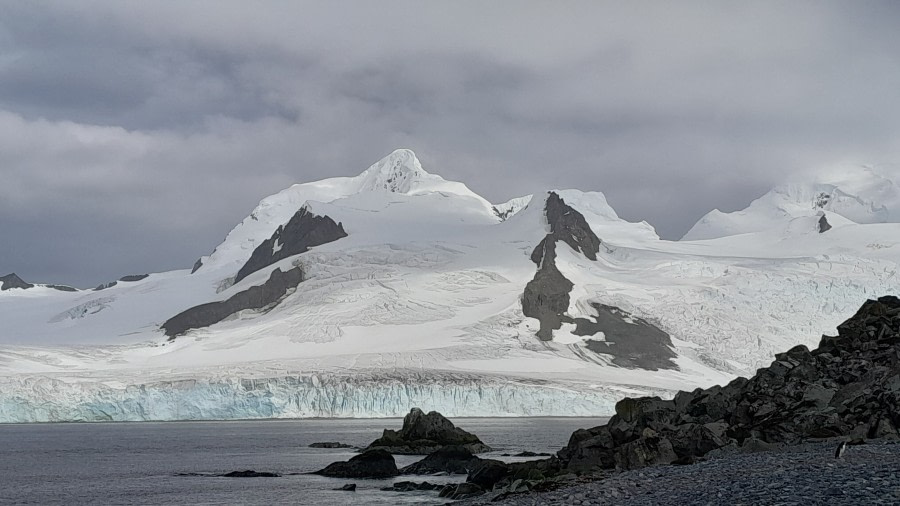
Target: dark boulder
489, 473
449, 459
423, 434
350, 487
461, 491
372, 464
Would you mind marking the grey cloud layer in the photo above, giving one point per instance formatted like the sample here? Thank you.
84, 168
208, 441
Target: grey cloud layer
134, 135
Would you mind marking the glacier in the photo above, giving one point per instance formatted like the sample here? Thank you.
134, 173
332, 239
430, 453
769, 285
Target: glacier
420, 305
377, 394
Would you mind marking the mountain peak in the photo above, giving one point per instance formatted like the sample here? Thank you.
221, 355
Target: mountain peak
398, 172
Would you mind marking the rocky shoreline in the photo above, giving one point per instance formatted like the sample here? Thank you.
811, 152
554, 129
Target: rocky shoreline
803, 474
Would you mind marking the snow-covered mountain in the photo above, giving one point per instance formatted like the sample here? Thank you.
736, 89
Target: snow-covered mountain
854, 195
367, 295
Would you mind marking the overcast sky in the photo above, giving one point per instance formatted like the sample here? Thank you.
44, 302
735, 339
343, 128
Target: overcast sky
135, 135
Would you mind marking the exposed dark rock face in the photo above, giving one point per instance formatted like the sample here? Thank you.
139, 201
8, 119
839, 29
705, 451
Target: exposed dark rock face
12, 281
251, 474
546, 296
303, 231
255, 297
197, 265
848, 387
569, 226
133, 277
631, 341
372, 464
104, 286
424, 434
350, 487
449, 459
823, 225
330, 444
62, 288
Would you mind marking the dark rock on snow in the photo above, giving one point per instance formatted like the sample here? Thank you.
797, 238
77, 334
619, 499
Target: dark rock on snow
104, 286
197, 265
12, 281
423, 434
369, 464
632, 342
823, 225
350, 487
62, 288
255, 297
330, 444
303, 231
133, 277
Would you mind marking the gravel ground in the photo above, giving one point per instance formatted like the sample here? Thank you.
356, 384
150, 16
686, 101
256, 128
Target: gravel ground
806, 474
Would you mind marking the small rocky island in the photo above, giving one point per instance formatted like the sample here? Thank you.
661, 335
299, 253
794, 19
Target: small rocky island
423, 434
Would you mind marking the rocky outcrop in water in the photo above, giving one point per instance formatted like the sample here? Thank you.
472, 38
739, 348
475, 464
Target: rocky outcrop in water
373, 464
303, 231
255, 297
848, 387
423, 434
330, 444
411, 486
251, 474
11, 281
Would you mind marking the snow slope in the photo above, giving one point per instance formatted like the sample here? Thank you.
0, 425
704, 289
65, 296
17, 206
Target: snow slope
421, 305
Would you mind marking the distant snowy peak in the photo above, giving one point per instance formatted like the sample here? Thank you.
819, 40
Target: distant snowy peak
858, 196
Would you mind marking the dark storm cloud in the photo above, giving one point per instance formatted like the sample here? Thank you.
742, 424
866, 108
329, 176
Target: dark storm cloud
134, 135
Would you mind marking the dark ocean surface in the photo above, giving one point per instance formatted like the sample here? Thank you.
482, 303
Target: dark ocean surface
139, 463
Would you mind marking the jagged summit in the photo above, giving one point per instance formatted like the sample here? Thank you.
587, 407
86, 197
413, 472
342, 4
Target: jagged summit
398, 172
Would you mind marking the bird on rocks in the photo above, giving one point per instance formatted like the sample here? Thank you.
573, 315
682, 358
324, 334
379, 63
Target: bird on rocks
841, 448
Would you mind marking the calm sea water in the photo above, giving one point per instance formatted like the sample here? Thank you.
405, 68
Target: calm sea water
139, 463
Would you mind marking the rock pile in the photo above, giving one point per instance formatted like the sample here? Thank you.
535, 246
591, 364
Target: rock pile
848, 387
423, 434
